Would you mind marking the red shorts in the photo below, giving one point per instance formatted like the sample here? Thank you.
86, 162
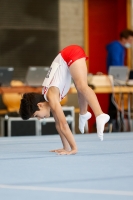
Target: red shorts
72, 53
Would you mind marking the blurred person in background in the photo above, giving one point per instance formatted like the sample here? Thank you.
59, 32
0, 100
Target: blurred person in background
116, 49
116, 52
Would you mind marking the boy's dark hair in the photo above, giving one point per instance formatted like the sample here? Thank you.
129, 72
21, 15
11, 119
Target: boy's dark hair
126, 33
29, 103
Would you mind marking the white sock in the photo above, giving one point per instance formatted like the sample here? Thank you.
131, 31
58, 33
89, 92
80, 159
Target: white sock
101, 120
82, 121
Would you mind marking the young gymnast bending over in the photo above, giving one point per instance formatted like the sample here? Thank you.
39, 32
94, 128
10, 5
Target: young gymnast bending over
69, 63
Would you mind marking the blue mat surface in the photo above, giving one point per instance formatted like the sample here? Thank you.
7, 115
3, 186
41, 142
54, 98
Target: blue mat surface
100, 170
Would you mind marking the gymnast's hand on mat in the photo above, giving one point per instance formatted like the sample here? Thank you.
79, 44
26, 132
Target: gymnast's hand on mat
64, 152
57, 150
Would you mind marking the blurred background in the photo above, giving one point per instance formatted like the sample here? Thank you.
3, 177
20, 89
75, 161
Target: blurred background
33, 32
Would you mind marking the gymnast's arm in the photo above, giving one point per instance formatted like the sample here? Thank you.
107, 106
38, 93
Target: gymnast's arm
61, 123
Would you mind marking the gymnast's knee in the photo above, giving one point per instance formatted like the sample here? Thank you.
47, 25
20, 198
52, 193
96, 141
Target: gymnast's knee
81, 87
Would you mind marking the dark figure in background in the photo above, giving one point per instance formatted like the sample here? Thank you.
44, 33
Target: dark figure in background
116, 57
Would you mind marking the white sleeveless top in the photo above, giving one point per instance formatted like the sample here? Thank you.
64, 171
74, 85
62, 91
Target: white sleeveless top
58, 76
